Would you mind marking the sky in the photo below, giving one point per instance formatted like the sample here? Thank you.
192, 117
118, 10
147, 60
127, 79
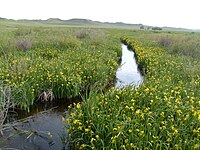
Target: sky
171, 13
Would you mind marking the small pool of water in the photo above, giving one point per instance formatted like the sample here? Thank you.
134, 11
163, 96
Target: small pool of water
128, 72
39, 129
39, 132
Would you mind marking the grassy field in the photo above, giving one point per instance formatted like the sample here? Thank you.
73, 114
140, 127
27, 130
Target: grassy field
41, 62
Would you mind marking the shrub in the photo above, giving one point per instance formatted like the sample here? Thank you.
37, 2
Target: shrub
6, 102
82, 34
164, 41
24, 44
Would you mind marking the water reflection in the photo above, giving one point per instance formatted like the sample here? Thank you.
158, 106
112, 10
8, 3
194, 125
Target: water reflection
128, 73
39, 129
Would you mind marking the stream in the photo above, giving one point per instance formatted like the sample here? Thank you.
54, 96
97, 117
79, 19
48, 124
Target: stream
42, 128
128, 72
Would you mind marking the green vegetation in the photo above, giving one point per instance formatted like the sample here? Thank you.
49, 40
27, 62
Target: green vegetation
187, 44
48, 61
57, 60
163, 113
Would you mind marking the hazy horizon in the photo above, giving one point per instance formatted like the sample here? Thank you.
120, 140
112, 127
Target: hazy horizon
170, 13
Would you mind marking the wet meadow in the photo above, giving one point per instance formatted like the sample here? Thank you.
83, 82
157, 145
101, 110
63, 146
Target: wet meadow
52, 63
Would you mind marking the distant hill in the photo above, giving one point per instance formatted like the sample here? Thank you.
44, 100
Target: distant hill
88, 23
175, 29
2, 18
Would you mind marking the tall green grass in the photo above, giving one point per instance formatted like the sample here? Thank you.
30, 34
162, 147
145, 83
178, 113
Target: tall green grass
55, 59
163, 113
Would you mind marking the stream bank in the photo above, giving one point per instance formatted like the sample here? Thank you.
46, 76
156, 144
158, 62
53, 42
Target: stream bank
42, 129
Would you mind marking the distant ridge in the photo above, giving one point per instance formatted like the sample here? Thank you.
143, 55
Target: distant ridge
2, 18
90, 23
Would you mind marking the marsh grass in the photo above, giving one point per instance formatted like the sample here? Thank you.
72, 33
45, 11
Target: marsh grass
162, 113
186, 44
56, 59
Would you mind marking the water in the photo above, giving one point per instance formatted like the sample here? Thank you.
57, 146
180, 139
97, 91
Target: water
128, 73
35, 133
39, 129
30, 131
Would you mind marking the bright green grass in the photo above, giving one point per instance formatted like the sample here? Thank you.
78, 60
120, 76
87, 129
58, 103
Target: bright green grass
163, 113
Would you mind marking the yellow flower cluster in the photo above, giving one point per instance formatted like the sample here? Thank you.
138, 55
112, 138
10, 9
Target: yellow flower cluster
162, 113
66, 72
